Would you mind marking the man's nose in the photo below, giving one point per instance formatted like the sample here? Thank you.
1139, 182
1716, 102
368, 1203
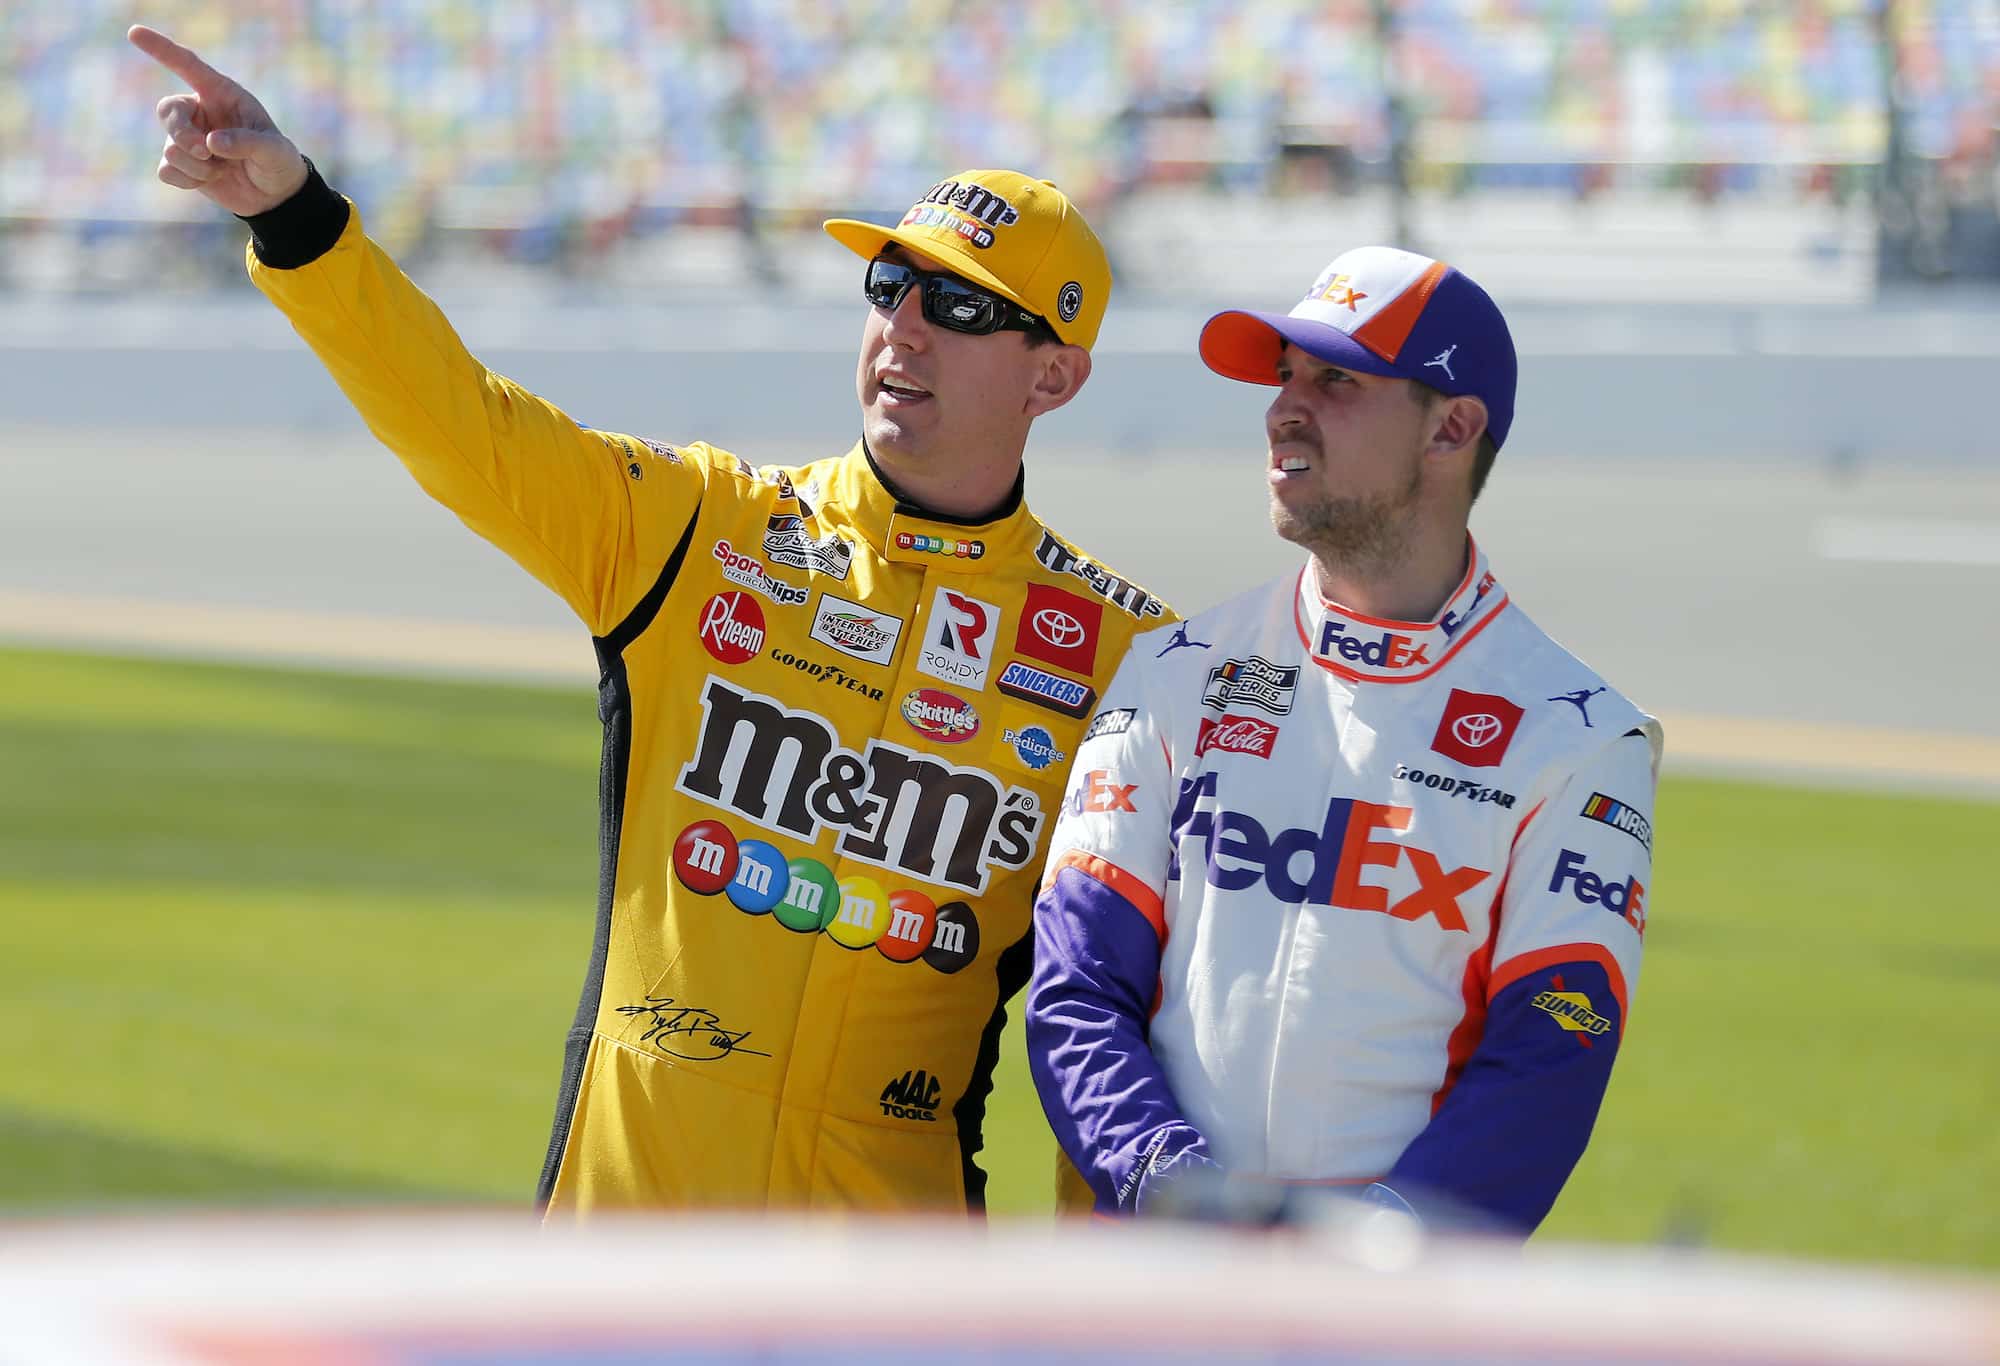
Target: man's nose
906, 324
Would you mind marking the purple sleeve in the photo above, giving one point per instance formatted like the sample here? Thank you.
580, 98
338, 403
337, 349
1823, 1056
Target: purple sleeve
1097, 970
1499, 1149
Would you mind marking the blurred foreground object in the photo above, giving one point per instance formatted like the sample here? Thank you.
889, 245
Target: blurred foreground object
383, 1290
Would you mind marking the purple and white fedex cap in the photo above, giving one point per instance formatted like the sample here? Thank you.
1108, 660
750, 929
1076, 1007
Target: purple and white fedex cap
1382, 311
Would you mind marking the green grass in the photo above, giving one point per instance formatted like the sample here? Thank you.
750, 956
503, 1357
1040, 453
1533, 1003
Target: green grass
275, 936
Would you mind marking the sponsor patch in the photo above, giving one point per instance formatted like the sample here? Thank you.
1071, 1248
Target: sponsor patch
1389, 650
887, 805
958, 639
914, 1095
1252, 682
1625, 899
1234, 734
1468, 788
909, 545
1032, 746
1570, 1009
856, 630
1045, 689
1116, 721
1331, 866
1100, 794
1619, 816
802, 895
786, 542
1059, 628
731, 627
1476, 728
941, 716
1123, 594
749, 571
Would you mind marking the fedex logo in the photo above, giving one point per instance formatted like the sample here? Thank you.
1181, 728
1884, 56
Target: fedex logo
1386, 651
1626, 899
1327, 866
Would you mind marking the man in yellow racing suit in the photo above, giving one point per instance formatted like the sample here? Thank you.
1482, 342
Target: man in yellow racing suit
839, 699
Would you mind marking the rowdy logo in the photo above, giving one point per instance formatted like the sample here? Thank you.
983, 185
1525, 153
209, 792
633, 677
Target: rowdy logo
958, 642
732, 627
1237, 852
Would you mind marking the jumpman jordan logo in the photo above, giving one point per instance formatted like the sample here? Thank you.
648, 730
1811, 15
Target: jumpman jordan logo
1442, 360
1580, 699
1180, 641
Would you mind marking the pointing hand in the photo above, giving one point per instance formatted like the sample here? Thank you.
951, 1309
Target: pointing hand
220, 141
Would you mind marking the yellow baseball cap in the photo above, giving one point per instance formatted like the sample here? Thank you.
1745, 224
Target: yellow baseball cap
1019, 237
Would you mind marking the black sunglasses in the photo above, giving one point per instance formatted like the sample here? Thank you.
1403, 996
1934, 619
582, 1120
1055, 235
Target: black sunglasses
949, 301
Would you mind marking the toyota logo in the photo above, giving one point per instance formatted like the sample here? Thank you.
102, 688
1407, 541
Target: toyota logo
1478, 730
1064, 631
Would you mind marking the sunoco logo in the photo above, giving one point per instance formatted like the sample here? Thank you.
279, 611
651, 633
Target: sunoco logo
948, 719
914, 1095
803, 896
895, 808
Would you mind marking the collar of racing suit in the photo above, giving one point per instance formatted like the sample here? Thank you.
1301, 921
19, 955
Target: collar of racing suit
907, 533
1365, 649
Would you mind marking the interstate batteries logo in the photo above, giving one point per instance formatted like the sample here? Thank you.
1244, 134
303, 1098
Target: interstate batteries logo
856, 630
940, 716
802, 895
895, 808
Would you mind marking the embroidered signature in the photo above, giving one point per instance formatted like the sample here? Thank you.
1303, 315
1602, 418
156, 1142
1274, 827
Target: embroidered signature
689, 1032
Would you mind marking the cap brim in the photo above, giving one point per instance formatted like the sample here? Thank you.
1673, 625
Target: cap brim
1245, 345
866, 240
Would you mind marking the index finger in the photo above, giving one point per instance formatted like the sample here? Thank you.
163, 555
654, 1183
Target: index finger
175, 58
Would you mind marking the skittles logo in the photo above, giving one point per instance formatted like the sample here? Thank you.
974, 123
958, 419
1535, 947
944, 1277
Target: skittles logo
802, 895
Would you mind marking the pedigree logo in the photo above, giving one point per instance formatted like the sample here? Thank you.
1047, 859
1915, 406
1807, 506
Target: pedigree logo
1329, 866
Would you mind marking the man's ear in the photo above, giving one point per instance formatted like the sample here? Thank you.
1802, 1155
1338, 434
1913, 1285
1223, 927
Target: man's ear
1059, 375
1463, 423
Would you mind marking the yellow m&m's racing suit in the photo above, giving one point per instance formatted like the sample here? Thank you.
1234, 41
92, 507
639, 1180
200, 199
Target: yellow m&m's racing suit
836, 730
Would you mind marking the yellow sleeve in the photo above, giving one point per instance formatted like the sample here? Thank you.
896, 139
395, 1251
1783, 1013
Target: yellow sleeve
592, 514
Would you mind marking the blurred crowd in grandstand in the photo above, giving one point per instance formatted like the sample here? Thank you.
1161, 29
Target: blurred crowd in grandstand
545, 129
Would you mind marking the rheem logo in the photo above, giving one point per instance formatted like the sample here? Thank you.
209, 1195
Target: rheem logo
732, 627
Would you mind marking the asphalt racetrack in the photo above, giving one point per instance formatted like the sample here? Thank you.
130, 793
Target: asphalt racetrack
1779, 616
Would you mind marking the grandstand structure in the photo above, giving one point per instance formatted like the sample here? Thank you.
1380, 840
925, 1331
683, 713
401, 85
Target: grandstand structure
1856, 136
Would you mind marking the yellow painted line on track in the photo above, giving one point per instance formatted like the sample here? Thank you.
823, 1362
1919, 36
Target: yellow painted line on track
546, 654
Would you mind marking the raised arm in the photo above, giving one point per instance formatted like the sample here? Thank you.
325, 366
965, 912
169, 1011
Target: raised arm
594, 515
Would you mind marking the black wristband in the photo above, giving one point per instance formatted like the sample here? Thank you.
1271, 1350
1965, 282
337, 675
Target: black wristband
303, 228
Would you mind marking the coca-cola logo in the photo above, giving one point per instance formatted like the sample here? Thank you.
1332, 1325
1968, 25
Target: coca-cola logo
1236, 735
732, 627
944, 717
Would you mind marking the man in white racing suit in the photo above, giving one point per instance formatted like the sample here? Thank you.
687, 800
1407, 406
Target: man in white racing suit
1350, 881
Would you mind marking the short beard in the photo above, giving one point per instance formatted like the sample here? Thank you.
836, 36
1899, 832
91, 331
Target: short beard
1365, 535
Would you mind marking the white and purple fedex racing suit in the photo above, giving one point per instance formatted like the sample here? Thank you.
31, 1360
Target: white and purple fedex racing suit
1339, 900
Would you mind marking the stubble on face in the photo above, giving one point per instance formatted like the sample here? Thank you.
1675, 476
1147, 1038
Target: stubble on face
1357, 533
